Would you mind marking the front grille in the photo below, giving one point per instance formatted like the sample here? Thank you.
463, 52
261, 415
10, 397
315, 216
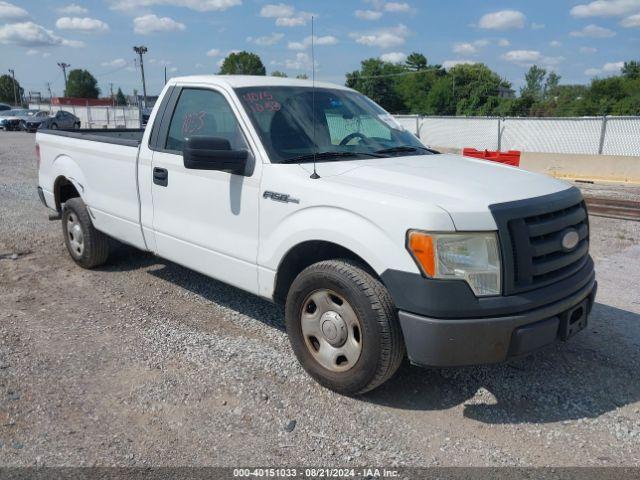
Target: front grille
531, 233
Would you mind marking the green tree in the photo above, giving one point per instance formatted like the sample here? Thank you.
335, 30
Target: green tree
415, 89
242, 63
631, 69
551, 85
416, 61
120, 98
534, 83
474, 86
81, 84
439, 100
302, 76
7, 89
278, 73
378, 81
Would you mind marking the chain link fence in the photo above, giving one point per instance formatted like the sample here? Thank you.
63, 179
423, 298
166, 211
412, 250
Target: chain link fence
570, 135
97, 117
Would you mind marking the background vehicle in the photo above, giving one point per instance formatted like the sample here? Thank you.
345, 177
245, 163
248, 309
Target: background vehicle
317, 199
32, 123
4, 106
61, 120
11, 119
23, 116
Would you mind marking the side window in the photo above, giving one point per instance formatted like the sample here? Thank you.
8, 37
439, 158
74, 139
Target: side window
203, 113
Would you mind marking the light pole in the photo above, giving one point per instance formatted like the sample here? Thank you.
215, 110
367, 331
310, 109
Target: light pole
15, 91
141, 50
64, 67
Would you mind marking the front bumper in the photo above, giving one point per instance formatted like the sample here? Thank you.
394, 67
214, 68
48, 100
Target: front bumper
10, 125
474, 341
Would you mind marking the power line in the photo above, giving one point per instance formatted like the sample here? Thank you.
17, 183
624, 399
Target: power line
115, 70
401, 74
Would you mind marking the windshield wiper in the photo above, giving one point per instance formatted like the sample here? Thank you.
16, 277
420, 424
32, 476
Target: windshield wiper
405, 148
328, 156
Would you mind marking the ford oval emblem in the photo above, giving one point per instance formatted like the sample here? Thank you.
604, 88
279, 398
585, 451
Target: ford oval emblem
570, 239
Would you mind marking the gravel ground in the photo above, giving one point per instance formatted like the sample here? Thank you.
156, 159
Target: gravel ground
144, 362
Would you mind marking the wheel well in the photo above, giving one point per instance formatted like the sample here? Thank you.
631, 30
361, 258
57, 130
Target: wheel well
63, 190
305, 254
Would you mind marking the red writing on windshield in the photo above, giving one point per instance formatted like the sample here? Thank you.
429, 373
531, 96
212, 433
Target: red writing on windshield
261, 101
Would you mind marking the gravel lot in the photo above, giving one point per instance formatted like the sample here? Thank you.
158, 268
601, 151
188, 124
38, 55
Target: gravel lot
144, 362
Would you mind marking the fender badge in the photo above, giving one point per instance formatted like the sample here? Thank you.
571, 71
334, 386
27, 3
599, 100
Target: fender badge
280, 197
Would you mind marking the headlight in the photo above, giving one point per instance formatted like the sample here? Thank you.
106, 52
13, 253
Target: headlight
472, 257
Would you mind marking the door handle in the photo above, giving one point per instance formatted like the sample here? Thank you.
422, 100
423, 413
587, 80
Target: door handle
160, 176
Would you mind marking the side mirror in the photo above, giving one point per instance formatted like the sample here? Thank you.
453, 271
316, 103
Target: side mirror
213, 153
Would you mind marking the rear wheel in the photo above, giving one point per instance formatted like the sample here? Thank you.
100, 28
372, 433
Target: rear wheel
87, 246
76, 125
343, 327
54, 126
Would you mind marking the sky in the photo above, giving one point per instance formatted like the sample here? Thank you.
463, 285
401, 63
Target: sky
579, 39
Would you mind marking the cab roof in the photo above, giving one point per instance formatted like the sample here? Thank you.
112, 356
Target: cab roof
240, 81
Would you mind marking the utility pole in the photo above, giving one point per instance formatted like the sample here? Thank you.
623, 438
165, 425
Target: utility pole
141, 50
50, 94
64, 67
165, 74
15, 91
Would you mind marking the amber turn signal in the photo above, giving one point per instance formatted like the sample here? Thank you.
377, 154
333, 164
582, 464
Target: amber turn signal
421, 247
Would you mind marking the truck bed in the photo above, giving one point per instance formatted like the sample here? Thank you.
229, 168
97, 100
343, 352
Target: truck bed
130, 137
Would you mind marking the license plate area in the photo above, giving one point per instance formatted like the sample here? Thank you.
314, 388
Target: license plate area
574, 320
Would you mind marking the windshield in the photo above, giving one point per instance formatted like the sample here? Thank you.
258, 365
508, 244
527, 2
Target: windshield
12, 113
347, 125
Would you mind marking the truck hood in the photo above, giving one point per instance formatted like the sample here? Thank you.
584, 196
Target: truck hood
463, 187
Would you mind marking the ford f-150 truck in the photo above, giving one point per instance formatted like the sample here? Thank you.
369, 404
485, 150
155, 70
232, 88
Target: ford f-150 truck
313, 196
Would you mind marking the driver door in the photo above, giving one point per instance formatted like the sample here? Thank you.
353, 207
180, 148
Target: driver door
204, 219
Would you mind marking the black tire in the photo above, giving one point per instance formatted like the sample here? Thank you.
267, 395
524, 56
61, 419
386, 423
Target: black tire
54, 126
382, 349
76, 125
95, 244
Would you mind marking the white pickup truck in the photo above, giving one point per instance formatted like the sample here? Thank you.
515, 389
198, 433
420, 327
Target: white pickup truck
316, 198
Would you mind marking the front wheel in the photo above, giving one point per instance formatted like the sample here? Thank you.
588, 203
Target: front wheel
343, 327
54, 126
87, 246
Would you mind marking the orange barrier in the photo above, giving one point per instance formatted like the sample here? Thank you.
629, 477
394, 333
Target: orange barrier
512, 157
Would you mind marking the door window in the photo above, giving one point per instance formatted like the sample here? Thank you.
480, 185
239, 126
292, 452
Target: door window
203, 113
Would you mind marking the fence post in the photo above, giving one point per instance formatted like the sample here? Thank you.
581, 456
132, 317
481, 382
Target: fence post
603, 133
499, 134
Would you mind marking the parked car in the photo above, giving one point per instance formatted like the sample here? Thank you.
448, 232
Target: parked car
24, 115
61, 120
11, 119
316, 198
32, 123
4, 106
